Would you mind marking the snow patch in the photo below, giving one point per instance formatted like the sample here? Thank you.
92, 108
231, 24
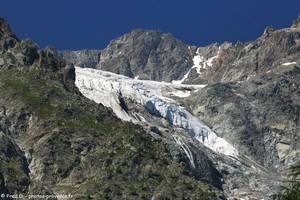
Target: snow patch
185, 148
199, 63
289, 63
182, 94
183, 79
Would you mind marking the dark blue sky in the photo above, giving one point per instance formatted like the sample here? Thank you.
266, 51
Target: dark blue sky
78, 24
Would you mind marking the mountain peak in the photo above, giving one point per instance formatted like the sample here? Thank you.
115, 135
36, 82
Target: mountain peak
140, 30
268, 30
296, 22
7, 37
5, 29
147, 54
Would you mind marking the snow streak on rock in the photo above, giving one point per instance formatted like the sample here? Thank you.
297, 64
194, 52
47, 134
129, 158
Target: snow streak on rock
108, 88
289, 63
186, 149
200, 64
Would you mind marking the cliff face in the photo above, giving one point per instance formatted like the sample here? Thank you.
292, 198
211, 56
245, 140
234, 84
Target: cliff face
147, 55
251, 98
152, 55
237, 62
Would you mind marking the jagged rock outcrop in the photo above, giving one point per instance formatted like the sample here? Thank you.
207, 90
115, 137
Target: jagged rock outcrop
237, 62
7, 37
147, 54
296, 23
84, 58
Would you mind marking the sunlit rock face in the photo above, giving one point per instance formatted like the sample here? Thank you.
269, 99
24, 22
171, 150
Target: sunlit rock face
148, 55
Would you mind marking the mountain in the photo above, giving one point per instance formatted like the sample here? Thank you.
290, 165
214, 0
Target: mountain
251, 94
55, 142
244, 93
150, 117
152, 55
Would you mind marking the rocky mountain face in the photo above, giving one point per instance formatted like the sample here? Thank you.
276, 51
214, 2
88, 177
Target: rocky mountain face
54, 141
246, 93
239, 62
256, 82
143, 53
259, 116
251, 98
148, 55
84, 58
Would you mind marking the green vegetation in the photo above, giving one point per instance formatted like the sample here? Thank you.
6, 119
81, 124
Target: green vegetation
13, 171
14, 174
292, 191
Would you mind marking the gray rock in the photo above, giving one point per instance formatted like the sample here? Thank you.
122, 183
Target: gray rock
14, 172
296, 23
84, 58
147, 54
255, 115
241, 61
69, 72
7, 38
27, 52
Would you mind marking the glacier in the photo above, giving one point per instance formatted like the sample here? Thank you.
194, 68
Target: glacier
158, 98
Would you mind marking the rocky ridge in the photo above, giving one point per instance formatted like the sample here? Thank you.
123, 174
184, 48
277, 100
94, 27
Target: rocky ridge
147, 54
